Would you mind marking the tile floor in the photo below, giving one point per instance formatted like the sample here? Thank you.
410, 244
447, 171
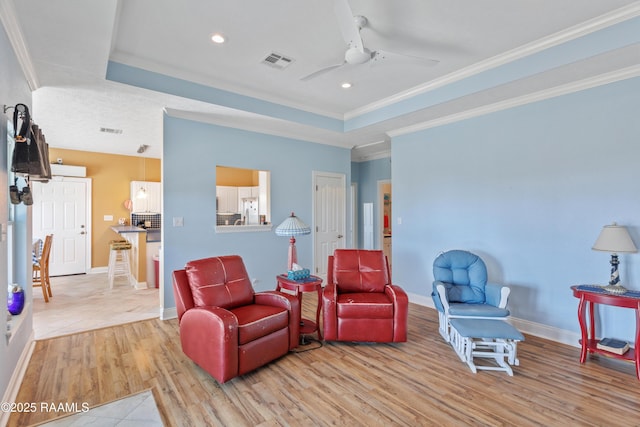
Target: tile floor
136, 410
85, 301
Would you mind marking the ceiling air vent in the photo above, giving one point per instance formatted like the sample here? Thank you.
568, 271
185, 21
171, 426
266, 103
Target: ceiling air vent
277, 60
111, 130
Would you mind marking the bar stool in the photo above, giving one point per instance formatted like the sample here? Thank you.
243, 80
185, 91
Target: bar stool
119, 260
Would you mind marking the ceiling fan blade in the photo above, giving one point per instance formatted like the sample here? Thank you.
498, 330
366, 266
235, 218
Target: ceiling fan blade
382, 55
347, 23
322, 71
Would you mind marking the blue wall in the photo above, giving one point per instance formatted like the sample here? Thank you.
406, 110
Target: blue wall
366, 175
191, 152
529, 190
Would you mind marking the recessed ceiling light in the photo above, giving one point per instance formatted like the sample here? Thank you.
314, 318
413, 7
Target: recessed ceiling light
217, 38
345, 85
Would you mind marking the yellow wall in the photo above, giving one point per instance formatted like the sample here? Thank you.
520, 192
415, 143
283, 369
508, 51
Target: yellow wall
111, 177
236, 177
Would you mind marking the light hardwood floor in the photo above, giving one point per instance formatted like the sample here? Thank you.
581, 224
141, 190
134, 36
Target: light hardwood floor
421, 382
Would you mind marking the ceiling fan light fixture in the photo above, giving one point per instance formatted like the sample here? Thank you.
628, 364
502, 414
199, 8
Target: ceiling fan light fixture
217, 38
354, 56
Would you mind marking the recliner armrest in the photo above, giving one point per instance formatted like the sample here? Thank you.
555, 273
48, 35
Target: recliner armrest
396, 293
400, 311
289, 303
497, 295
219, 322
209, 337
329, 312
277, 299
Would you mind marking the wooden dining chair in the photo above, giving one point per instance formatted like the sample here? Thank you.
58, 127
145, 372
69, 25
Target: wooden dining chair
41, 269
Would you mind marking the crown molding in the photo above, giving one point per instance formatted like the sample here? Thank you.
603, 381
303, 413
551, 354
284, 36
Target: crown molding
371, 151
579, 85
12, 26
261, 124
192, 77
374, 156
614, 17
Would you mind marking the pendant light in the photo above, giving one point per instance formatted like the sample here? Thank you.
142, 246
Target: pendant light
142, 193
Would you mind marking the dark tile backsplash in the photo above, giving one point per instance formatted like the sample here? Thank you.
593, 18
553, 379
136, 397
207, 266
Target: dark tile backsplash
227, 219
156, 219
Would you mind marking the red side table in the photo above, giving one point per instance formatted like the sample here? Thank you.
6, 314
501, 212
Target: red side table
590, 295
310, 284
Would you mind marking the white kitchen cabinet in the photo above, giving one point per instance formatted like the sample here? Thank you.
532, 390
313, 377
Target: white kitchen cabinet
152, 202
227, 199
248, 192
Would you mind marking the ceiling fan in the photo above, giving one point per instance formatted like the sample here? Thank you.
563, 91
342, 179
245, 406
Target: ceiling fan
356, 53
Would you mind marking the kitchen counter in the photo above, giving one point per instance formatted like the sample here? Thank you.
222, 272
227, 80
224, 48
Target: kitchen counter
153, 234
137, 236
127, 229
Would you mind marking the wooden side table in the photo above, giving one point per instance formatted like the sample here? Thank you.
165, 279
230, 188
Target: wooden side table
310, 284
590, 295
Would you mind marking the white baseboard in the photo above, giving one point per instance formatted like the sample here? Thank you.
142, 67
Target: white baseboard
11, 393
140, 285
168, 313
526, 326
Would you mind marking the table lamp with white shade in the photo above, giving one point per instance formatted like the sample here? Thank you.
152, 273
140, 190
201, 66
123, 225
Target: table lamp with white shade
615, 239
291, 227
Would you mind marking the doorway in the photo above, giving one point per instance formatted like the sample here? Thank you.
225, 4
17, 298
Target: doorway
385, 218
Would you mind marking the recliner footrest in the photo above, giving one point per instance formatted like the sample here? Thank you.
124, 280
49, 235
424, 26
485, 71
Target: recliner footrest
485, 338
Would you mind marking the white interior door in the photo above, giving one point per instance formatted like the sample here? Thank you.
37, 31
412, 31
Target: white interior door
329, 218
60, 208
367, 225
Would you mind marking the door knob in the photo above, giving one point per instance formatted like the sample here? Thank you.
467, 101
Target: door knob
340, 236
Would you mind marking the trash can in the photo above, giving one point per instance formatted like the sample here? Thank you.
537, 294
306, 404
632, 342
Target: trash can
156, 269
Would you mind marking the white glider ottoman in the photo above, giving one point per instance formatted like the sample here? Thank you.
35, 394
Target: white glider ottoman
486, 338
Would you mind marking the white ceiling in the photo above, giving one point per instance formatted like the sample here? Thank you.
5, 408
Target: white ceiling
65, 46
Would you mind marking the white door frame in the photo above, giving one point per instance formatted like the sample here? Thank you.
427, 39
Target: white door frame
380, 222
354, 215
314, 181
89, 219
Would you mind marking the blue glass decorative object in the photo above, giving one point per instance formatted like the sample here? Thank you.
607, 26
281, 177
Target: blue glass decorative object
15, 302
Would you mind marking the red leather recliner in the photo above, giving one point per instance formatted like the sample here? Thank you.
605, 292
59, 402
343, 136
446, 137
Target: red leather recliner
226, 328
359, 301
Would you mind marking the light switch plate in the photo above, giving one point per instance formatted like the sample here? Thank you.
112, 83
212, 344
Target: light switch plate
178, 221
108, 217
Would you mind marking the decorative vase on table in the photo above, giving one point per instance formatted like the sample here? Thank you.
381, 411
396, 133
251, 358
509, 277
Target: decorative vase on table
15, 302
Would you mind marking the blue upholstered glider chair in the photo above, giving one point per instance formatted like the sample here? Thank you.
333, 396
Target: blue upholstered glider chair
460, 289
